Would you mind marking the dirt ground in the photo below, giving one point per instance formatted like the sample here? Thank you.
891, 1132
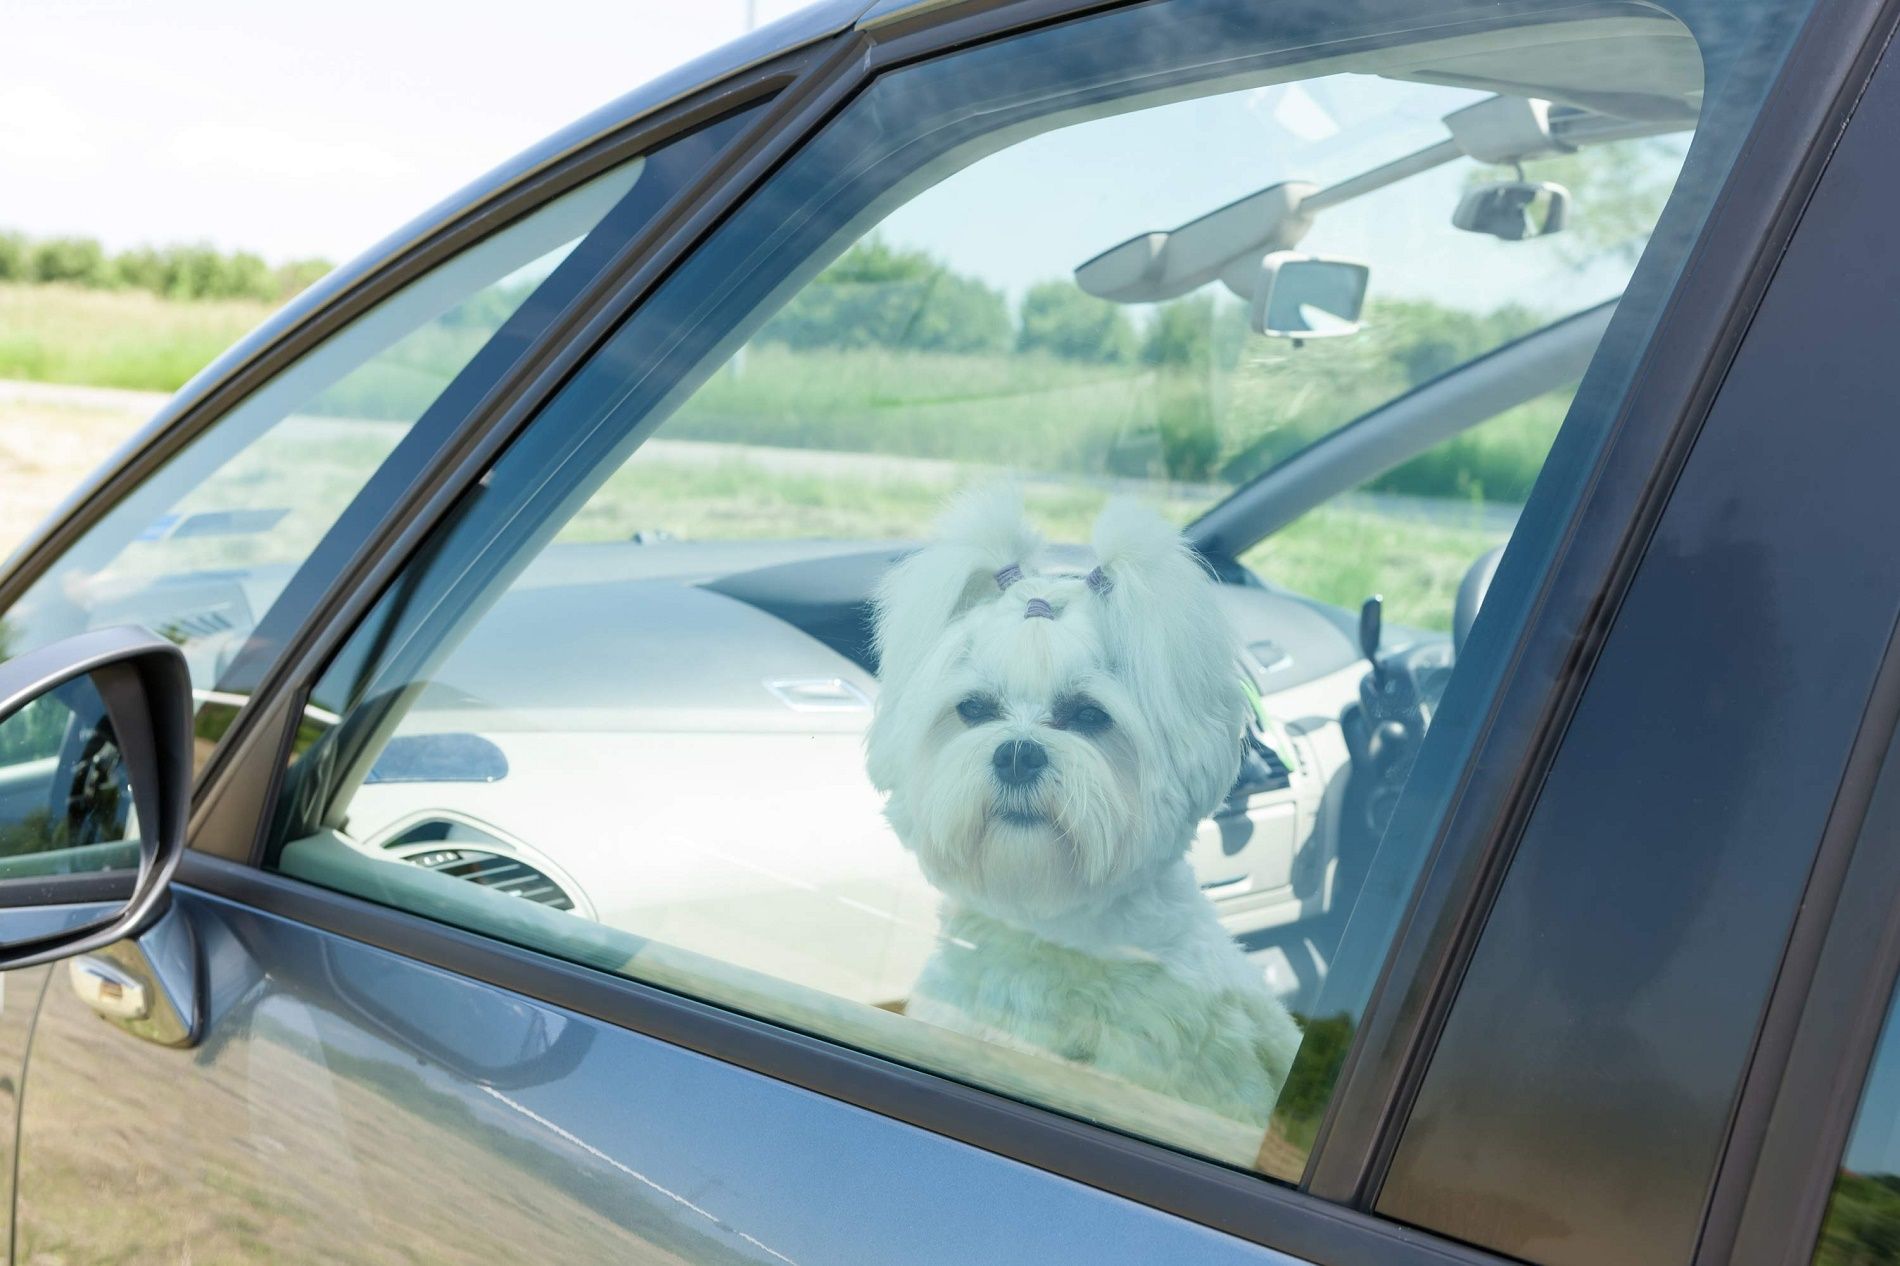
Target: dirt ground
51, 438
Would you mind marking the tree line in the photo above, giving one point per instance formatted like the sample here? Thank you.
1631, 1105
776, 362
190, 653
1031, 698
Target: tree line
877, 295
881, 296
181, 272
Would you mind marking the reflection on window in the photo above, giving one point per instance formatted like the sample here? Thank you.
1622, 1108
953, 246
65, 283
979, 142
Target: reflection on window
65, 804
203, 548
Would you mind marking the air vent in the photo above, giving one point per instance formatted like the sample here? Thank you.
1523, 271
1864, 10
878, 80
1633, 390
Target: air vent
492, 870
462, 849
1282, 772
1262, 769
200, 624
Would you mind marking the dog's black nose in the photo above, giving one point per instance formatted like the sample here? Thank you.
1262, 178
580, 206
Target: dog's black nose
1019, 761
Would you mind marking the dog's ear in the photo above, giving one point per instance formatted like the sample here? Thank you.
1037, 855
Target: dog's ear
979, 546
1175, 647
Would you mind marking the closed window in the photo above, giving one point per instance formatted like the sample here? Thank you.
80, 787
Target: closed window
983, 608
202, 550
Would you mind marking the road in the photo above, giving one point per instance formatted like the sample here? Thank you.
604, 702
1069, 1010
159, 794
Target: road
53, 435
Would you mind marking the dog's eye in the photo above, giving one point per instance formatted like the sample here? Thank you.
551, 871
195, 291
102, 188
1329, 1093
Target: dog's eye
1087, 718
977, 709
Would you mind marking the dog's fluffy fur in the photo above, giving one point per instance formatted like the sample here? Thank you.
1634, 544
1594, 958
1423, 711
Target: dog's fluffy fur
1072, 923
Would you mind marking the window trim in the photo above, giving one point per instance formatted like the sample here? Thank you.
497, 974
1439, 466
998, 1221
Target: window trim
558, 166
782, 90
327, 307
1830, 1000
1763, 193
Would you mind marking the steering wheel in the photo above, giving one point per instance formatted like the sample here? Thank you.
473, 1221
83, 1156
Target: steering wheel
1471, 591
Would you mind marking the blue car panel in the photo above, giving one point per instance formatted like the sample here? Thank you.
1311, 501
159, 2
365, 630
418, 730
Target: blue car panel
350, 1105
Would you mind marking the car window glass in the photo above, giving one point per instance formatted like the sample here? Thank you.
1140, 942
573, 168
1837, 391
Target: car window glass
1862, 1225
830, 648
1412, 533
202, 549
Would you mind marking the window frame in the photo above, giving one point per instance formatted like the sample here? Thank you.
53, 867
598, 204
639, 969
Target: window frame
1323, 1220
502, 371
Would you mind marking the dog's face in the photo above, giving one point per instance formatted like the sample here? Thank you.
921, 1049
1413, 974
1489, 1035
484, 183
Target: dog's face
1046, 740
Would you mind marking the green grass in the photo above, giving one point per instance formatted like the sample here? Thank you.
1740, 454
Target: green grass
1065, 426
115, 338
1339, 554
1497, 460
1032, 412
737, 498
1345, 552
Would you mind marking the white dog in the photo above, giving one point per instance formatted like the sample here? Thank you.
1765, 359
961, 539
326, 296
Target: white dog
1049, 743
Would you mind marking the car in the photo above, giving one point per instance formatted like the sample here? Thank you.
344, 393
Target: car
434, 814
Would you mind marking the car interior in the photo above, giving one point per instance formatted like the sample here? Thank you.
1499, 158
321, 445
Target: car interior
529, 795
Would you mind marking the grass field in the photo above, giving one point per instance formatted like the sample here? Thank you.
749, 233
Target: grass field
943, 420
114, 338
1340, 553
50, 439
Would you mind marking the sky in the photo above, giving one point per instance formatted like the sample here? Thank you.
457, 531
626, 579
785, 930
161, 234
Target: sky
1035, 210
297, 130
303, 130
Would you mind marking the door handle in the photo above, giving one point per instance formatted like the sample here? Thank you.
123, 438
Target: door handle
108, 988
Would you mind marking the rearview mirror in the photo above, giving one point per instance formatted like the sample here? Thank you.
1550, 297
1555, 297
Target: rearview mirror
95, 781
1308, 296
1513, 210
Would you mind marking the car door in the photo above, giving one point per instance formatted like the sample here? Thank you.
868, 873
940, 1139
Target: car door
441, 1018
226, 519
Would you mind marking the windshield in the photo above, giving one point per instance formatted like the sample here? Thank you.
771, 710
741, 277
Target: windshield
958, 339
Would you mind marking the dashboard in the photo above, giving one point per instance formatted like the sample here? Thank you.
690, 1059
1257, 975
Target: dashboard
667, 737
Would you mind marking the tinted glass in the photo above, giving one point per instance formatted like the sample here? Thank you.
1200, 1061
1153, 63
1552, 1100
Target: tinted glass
704, 684
201, 551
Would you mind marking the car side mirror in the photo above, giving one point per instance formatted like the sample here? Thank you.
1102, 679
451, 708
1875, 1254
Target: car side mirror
1300, 296
95, 783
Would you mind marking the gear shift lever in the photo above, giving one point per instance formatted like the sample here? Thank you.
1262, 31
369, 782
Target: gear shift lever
1371, 623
